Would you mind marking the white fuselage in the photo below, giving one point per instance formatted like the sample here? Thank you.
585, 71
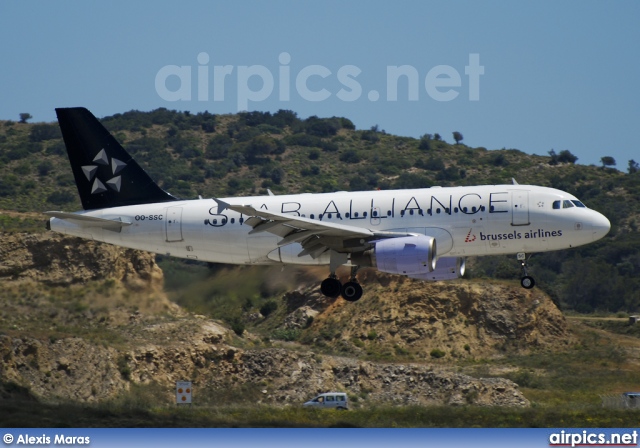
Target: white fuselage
466, 221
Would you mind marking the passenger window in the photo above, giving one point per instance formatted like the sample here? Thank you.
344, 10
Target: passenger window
331, 398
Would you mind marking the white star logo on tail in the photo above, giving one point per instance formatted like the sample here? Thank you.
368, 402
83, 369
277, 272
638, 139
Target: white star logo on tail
90, 171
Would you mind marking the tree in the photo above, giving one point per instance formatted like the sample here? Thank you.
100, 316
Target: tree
437, 137
457, 137
566, 157
425, 142
24, 117
633, 166
608, 161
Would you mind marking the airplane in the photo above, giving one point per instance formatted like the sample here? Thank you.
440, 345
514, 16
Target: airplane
420, 233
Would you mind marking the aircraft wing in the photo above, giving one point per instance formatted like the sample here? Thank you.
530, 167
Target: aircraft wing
316, 237
91, 221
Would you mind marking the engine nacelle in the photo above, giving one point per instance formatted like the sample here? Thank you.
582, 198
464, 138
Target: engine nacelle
447, 268
408, 255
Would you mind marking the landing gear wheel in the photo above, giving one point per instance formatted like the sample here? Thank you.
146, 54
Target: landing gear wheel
331, 287
351, 291
527, 282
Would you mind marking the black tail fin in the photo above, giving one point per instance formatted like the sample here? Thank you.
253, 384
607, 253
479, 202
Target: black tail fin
106, 175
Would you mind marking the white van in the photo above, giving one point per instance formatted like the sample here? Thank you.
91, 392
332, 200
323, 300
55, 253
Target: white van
329, 400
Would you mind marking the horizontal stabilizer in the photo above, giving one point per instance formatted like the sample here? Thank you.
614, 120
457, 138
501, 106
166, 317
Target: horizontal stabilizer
91, 221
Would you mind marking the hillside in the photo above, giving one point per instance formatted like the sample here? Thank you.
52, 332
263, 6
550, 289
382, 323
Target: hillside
220, 155
90, 336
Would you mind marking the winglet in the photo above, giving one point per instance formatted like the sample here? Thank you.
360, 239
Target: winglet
514, 181
222, 206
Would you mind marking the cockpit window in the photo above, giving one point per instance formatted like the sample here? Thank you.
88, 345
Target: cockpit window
557, 205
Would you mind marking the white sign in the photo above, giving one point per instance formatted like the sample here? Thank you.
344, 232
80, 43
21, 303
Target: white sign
183, 392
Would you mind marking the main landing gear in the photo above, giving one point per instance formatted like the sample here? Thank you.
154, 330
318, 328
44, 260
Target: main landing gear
351, 291
526, 281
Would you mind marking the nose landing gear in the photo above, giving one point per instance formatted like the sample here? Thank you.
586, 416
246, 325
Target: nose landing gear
526, 281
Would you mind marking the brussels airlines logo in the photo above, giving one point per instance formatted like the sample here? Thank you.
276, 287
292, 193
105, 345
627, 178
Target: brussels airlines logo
470, 238
91, 171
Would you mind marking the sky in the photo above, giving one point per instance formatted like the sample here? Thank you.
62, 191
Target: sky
533, 76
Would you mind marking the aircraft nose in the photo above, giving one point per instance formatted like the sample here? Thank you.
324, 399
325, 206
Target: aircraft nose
600, 226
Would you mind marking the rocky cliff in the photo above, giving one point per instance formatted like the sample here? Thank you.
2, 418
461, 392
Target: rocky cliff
452, 320
75, 369
56, 260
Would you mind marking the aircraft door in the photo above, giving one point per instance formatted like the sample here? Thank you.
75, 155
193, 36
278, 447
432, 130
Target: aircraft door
520, 208
174, 224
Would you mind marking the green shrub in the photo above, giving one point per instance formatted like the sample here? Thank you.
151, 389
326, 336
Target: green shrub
237, 326
61, 197
123, 367
40, 132
350, 156
286, 334
268, 308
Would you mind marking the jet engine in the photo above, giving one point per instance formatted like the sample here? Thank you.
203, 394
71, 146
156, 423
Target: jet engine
408, 255
447, 268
